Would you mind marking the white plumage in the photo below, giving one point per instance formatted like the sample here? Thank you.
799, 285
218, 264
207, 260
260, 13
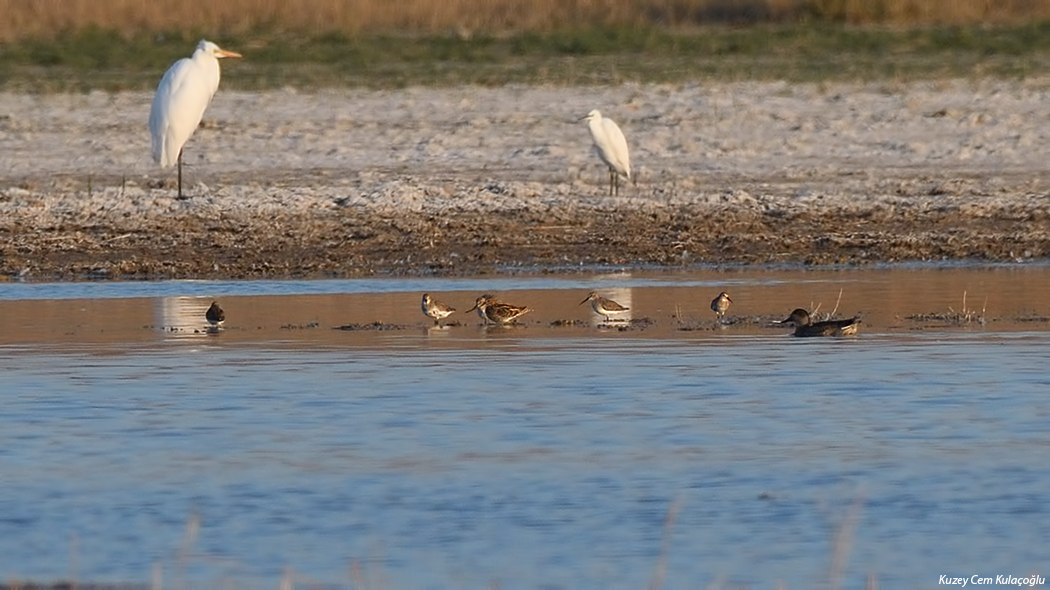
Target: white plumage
181, 99
611, 147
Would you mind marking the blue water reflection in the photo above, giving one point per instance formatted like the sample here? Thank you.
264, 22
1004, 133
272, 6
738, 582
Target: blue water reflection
188, 288
530, 463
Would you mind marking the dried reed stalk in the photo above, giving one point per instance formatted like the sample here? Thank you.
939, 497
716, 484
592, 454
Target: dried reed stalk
49, 18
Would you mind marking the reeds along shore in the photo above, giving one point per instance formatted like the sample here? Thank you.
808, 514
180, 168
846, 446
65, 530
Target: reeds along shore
49, 18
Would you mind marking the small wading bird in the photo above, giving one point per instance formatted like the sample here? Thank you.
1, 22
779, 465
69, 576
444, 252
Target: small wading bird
182, 96
435, 309
611, 147
215, 315
492, 310
605, 307
804, 327
720, 304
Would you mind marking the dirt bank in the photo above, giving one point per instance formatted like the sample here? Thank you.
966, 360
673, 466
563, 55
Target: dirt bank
461, 181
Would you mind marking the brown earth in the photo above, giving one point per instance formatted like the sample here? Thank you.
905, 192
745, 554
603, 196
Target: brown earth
469, 181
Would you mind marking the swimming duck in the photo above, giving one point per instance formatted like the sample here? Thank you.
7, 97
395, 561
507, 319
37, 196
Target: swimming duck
805, 327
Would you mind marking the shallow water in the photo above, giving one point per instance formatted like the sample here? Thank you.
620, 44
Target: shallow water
568, 456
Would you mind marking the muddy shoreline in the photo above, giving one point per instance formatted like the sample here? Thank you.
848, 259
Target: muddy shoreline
473, 181
341, 243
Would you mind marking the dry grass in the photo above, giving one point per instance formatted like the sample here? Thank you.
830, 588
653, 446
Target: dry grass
50, 18
955, 318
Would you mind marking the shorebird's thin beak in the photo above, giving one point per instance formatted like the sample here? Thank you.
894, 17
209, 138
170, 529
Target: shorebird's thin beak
225, 53
728, 299
585, 300
471, 309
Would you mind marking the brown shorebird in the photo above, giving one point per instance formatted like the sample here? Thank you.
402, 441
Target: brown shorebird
492, 310
215, 315
720, 304
433, 308
605, 307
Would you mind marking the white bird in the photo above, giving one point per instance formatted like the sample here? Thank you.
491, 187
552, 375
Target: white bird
182, 96
611, 146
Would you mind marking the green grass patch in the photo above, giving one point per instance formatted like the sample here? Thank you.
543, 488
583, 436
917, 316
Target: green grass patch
97, 59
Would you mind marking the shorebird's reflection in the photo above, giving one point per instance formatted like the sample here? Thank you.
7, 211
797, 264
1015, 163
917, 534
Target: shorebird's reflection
189, 315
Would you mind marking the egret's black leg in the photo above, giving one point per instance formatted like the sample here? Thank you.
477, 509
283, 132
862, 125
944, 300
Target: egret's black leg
180, 174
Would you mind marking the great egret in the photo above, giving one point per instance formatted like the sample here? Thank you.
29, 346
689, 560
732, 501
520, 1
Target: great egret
182, 96
611, 146
805, 327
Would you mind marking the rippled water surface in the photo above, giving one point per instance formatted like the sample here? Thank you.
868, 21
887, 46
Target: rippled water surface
135, 445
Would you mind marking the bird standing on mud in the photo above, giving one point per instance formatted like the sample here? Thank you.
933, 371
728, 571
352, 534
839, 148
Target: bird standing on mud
181, 99
433, 308
720, 304
611, 147
805, 327
492, 310
605, 307
215, 315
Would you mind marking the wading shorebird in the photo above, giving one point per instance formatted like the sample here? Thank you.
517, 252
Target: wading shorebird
804, 327
720, 304
433, 308
215, 315
492, 310
611, 147
605, 307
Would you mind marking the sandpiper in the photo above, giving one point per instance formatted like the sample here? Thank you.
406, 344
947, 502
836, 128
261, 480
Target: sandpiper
492, 310
435, 309
215, 315
605, 307
720, 304
804, 327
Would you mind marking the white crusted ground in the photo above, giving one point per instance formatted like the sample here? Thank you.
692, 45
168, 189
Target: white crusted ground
701, 141
891, 151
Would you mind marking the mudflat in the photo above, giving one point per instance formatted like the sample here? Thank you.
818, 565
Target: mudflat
469, 180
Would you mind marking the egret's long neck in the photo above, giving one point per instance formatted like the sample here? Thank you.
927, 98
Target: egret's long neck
595, 124
208, 63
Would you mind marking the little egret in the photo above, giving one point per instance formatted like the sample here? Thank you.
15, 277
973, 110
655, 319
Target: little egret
611, 146
182, 96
